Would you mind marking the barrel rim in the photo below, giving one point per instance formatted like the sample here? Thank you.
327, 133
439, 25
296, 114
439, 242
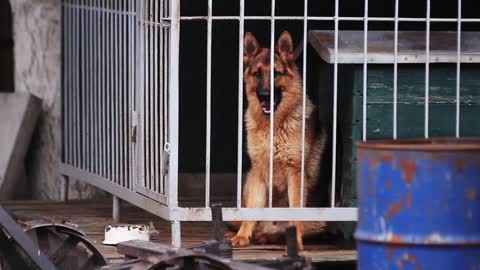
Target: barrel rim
430, 144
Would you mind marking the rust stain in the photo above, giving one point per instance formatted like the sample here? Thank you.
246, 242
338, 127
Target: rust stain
371, 190
446, 206
472, 194
374, 163
408, 201
396, 239
410, 259
387, 159
409, 168
389, 254
388, 183
393, 211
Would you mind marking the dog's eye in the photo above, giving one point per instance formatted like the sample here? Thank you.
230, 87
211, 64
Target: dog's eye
257, 74
277, 74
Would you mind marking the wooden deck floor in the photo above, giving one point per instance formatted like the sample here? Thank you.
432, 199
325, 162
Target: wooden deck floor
93, 216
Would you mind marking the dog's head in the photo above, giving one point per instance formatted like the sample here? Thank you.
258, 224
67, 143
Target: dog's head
257, 72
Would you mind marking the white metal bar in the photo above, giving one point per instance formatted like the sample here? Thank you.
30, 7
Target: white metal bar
116, 209
176, 234
241, 25
365, 72
95, 88
66, 42
125, 112
83, 90
162, 100
76, 92
131, 87
166, 85
326, 18
139, 97
67, 83
104, 183
151, 194
108, 93
103, 91
427, 68
304, 101
117, 93
156, 91
457, 86
112, 93
166, 52
149, 95
335, 96
209, 105
272, 69
98, 104
173, 103
268, 214
88, 83
395, 69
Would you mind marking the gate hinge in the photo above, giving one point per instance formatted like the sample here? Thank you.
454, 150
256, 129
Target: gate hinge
166, 158
134, 127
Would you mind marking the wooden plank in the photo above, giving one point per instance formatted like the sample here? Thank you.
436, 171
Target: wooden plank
411, 46
93, 220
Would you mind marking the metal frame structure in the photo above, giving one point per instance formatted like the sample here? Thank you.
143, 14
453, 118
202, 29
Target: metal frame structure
121, 100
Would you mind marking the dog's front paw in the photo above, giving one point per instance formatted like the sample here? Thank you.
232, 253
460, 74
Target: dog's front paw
240, 241
299, 243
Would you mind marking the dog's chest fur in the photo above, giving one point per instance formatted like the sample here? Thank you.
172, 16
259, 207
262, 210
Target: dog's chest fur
287, 144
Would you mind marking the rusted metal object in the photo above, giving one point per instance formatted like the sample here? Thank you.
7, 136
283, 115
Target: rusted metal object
64, 245
155, 256
58, 245
418, 204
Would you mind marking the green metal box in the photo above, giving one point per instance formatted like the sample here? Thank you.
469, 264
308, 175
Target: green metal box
442, 104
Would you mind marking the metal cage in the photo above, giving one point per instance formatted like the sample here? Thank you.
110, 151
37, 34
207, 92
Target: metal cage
121, 102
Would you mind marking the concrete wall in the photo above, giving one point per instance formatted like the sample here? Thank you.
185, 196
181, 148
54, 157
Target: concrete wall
37, 46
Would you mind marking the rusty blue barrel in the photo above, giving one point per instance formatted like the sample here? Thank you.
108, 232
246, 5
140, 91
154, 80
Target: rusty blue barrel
418, 204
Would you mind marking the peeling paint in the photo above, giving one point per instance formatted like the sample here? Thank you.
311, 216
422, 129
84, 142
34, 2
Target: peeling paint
393, 210
387, 158
389, 254
472, 194
409, 168
408, 200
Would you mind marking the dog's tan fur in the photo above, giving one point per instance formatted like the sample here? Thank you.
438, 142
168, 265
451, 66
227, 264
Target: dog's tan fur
287, 141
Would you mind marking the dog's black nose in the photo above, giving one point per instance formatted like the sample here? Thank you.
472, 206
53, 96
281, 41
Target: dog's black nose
263, 93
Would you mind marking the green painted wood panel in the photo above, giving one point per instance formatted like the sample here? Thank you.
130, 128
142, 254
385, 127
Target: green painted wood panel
411, 107
411, 101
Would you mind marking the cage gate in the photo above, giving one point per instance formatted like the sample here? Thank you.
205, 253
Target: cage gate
121, 98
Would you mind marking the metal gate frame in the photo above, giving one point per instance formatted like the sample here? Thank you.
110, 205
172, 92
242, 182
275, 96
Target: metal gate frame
163, 199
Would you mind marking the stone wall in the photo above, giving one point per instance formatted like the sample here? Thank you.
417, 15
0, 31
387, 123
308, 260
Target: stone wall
37, 46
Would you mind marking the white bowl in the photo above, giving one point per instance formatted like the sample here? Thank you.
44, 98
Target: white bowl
115, 234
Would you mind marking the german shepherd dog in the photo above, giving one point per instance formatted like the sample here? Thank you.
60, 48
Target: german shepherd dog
287, 130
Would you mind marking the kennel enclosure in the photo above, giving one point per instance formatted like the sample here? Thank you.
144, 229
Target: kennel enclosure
122, 98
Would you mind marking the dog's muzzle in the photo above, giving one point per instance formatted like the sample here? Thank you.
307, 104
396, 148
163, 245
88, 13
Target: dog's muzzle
264, 99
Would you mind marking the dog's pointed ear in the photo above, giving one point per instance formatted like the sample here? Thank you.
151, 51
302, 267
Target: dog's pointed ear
251, 48
285, 46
